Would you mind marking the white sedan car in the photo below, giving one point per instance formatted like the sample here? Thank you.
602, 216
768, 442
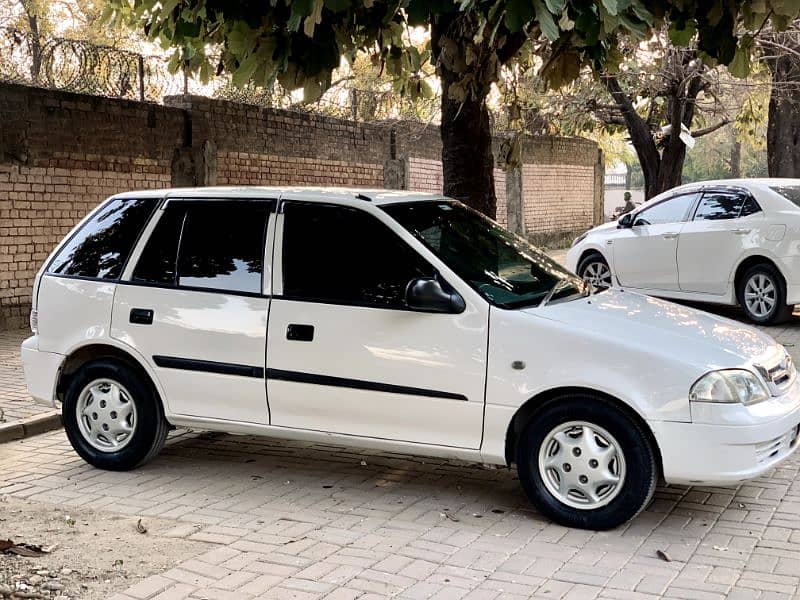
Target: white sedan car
728, 242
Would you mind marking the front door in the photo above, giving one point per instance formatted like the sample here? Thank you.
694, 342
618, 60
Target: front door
724, 224
195, 307
344, 354
645, 255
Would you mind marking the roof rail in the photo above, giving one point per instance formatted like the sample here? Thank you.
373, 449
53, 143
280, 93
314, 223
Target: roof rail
363, 197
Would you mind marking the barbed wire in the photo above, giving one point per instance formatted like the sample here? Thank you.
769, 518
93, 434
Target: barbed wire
87, 68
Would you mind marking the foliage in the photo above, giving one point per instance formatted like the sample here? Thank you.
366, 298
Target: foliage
711, 158
300, 42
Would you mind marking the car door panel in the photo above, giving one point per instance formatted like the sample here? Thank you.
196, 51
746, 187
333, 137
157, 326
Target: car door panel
392, 374
645, 254
712, 244
195, 306
371, 368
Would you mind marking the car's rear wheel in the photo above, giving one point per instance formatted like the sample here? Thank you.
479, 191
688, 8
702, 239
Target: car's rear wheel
594, 270
113, 416
585, 463
761, 292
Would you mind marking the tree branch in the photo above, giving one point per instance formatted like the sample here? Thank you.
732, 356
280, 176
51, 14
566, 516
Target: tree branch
710, 129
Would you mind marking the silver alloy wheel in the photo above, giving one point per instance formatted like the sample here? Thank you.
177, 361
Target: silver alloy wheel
760, 294
106, 415
582, 465
597, 274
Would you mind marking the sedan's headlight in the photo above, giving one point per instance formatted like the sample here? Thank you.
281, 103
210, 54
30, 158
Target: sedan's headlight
729, 387
579, 239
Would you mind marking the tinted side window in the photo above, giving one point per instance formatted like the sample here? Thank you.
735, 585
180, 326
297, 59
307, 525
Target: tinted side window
673, 210
159, 259
222, 246
750, 207
343, 255
719, 205
101, 247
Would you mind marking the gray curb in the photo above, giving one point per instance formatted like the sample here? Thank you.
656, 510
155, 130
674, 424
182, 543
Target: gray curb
24, 428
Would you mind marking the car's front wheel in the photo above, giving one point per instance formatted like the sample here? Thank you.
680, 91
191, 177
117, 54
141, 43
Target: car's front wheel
585, 463
113, 416
594, 270
761, 292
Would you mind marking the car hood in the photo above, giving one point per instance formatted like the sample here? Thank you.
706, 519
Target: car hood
660, 327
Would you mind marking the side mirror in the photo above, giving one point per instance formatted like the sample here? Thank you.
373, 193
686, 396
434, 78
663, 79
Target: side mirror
625, 221
427, 294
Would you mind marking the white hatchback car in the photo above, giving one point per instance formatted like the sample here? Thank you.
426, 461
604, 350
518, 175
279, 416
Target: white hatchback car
394, 321
732, 241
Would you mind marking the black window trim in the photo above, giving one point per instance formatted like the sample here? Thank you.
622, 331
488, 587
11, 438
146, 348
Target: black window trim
329, 301
83, 222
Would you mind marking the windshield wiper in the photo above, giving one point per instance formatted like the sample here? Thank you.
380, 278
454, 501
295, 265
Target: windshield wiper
556, 288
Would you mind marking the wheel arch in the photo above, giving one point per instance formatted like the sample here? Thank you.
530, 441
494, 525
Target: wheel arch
589, 252
533, 406
751, 261
86, 353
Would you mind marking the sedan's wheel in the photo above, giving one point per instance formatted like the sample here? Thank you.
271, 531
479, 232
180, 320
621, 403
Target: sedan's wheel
585, 463
113, 416
595, 271
762, 294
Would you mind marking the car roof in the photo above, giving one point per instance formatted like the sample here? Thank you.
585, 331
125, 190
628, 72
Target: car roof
306, 193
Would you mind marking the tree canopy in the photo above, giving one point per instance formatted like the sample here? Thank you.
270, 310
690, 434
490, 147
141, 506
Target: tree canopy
300, 42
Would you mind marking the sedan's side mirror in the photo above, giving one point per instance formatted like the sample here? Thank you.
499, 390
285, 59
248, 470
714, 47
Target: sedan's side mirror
428, 295
625, 221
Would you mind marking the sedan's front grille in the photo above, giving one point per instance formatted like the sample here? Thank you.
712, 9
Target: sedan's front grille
773, 449
778, 376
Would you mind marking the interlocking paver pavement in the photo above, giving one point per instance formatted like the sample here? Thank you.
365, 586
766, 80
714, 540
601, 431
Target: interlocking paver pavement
294, 520
15, 404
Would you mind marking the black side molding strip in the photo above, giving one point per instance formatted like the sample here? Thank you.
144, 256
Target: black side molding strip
359, 384
208, 366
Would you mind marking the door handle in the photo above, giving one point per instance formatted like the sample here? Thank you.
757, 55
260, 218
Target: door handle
740, 231
300, 333
141, 316
669, 236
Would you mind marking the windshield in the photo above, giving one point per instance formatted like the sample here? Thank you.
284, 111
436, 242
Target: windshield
790, 192
504, 268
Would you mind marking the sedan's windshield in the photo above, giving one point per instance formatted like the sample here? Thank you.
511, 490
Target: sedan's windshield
504, 268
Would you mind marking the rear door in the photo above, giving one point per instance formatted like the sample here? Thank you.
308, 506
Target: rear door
645, 255
195, 306
713, 241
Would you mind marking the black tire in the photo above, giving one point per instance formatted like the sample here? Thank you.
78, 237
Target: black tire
640, 466
780, 311
150, 430
595, 260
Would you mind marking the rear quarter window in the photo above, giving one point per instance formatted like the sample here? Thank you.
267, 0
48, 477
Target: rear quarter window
790, 192
100, 248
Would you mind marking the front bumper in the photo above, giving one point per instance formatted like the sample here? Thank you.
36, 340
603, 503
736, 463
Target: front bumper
708, 454
41, 371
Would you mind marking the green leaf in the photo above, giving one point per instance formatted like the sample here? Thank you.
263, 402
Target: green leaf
611, 6
245, 71
556, 6
337, 5
682, 36
518, 14
546, 21
740, 65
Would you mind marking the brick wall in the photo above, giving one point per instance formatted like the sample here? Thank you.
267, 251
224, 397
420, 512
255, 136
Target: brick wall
61, 154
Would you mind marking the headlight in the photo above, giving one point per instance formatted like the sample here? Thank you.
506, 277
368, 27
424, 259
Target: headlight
579, 239
729, 387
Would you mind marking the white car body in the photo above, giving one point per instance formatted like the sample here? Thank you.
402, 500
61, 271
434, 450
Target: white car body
697, 259
446, 385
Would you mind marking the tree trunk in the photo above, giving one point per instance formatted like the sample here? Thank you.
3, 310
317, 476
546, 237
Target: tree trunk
36, 41
467, 159
736, 157
783, 125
